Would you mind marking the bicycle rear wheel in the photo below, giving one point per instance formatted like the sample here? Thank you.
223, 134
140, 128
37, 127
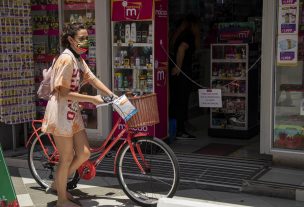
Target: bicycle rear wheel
160, 164
41, 167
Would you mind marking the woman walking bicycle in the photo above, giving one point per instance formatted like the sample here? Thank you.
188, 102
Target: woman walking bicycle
62, 117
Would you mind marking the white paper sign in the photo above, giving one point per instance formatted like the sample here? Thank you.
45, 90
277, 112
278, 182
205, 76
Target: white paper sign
210, 98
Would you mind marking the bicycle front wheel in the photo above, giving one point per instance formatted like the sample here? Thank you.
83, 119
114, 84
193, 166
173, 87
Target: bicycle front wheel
161, 177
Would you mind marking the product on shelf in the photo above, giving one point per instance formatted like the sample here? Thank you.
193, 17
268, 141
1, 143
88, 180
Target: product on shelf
138, 63
45, 26
229, 63
133, 32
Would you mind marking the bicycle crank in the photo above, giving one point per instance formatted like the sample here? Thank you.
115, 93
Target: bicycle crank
87, 170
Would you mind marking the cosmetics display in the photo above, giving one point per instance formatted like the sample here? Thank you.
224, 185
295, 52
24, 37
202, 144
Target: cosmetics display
133, 57
229, 72
139, 63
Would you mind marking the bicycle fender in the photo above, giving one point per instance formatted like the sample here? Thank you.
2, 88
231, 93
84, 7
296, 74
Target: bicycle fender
117, 153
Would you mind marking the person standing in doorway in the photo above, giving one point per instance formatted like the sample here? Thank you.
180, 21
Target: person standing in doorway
62, 117
183, 43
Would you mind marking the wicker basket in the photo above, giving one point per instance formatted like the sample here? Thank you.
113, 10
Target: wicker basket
147, 114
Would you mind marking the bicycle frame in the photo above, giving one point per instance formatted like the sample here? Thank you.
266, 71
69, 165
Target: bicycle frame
103, 149
36, 130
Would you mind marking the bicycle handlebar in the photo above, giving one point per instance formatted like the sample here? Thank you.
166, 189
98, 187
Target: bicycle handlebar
107, 100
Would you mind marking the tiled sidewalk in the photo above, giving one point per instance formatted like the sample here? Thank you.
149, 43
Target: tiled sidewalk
105, 191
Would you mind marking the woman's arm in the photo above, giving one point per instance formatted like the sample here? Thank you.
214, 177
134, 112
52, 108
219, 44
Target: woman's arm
74, 96
95, 82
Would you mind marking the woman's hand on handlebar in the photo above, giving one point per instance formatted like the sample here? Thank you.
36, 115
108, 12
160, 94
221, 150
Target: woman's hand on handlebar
97, 100
113, 96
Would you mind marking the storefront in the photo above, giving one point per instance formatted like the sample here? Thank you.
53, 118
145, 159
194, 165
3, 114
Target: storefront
30, 39
282, 82
281, 77
228, 59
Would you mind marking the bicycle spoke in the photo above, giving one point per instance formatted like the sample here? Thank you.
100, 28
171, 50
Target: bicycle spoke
160, 177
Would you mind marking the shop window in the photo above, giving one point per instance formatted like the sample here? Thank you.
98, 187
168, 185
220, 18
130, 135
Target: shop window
288, 132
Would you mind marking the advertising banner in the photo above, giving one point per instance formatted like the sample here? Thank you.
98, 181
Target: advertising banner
288, 20
236, 32
288, 29
288, 2
161, 65
127, 10
287, 53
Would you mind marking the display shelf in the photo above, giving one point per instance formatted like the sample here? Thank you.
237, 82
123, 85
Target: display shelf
238, 116
222, 112
234, 94
229, 61
132, 45
139, 64
228, 127
133, 90
48, 32
43, 57
224, 78
133, 68
225, 65
79, 6
45, 31
133, 63
48, 7
16, 71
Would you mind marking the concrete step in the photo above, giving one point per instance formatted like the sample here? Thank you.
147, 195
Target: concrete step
272, 189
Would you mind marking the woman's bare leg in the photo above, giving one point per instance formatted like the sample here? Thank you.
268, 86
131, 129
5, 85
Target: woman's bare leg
82, 151
66, 153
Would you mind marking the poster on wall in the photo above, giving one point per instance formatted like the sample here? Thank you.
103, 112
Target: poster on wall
288, 19
288, 29
287, 50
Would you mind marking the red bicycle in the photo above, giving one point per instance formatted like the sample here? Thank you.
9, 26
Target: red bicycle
146, 167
